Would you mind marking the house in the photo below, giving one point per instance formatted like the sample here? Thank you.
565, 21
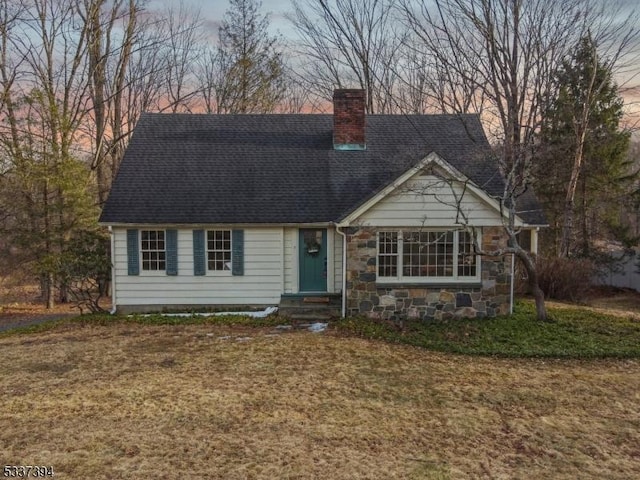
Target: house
238, 210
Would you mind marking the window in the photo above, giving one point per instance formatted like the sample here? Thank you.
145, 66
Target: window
416, 256
219, 250
153, 248
427, 254
467, 259
387, 254
524, 239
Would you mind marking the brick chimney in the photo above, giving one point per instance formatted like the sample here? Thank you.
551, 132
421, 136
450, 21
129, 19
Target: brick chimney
348, 119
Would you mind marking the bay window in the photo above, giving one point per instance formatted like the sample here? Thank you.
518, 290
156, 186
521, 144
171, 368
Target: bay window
427, 256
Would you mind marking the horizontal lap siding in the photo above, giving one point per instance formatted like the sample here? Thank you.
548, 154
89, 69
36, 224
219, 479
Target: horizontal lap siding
337, 260
261, 283
290, 260
428, 202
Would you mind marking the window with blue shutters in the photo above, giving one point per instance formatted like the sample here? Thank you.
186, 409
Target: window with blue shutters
153, 250
218, 251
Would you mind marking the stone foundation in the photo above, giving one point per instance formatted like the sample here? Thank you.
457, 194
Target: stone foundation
487, 298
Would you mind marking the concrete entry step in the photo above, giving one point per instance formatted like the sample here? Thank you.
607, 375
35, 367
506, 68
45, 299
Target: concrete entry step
316, 307
316, 300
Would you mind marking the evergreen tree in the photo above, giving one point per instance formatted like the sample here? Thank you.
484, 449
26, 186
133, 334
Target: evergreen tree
605, 176
251, 76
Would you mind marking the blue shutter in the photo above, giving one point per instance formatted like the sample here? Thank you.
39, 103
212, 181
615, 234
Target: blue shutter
133, 260
237, 252
199, 261
172, 252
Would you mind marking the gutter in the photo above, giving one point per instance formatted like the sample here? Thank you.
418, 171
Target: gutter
513, 282
344, 271
113, 271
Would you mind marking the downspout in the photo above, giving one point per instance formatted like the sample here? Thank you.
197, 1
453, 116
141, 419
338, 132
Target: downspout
113, 271
513, 281
344, 271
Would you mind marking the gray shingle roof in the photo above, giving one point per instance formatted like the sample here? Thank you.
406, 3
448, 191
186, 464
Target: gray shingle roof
189, 168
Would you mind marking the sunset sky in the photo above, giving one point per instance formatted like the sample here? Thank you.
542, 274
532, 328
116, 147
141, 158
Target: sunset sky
213, 11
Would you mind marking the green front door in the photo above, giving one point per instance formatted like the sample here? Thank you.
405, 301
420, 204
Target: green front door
313, 260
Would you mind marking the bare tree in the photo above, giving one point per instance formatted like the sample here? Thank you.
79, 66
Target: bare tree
614, 45
139, 61
426, 85
346, 43
185, 37
298, 96
75, 75
514, 47
210, 77
109, 54
44, 77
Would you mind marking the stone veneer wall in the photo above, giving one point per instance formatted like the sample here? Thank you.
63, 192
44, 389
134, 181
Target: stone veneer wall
488, 298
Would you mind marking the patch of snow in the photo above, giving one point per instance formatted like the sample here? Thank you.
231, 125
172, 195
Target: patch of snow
318, 327
312, 327
262, 314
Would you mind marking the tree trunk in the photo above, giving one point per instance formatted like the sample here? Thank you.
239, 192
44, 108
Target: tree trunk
538, 295
63, 293
532, 274
569, 202
50, 292
581, 125
586, 246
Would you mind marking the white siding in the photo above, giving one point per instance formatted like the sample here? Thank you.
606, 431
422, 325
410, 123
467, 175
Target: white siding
290, 260
261, 283
428, 201
337, 260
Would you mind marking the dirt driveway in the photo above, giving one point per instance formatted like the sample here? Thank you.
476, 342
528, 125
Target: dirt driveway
20, 307
9, 321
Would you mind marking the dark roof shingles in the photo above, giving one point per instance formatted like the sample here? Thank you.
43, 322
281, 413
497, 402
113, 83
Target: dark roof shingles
192, 169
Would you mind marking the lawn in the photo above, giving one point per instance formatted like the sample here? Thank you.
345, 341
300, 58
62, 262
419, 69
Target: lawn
570, 332
126, 400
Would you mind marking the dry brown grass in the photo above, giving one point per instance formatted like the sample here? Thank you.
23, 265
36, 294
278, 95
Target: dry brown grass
135, 401
612, 300
608, 301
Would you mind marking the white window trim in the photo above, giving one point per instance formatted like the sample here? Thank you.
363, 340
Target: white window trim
152, 273
218, 273
454, 279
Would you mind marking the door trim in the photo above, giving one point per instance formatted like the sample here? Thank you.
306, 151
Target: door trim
326, 260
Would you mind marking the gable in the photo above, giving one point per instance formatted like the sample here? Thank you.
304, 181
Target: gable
432, 194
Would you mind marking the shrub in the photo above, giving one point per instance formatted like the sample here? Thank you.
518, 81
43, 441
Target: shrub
565, 278
83, 269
